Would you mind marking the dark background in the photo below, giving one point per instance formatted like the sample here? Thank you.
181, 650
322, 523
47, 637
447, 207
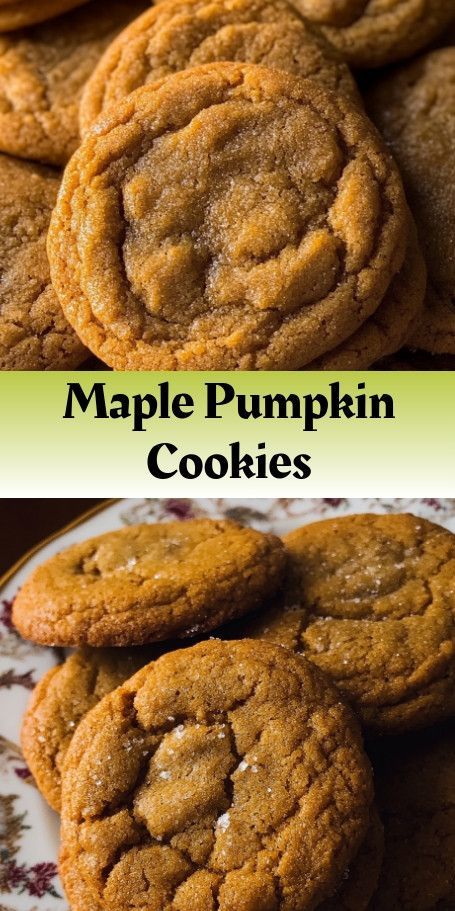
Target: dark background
24, 523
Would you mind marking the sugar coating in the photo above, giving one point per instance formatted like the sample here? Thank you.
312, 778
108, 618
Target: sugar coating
207, 837
228, 217
371, 33
373, 605
92, 594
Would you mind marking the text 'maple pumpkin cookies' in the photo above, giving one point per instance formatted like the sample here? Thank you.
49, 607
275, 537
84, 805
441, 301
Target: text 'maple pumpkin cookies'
415, 783
229, 216
16, 14
228, 775
42, 73
372, 33
149, 582
178, 34
34, 334
59, 702
414, 107
371, 600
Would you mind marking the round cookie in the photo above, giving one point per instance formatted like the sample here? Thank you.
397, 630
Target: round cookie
19, 13
178, 34
371, 33
145, 583
361, 879
34, 334
371, 601
415, 110
229, 775
42, 73
386, 331
59, 702
228, 217
416, 786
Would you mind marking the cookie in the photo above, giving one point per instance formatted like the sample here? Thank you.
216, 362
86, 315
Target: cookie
178, 34
148, 582
371, 33
230, 216
371, 601
415, 110
228, 775
416, 786
42, 73
361, 879
19, 13
59, 702
386, 331
34, 334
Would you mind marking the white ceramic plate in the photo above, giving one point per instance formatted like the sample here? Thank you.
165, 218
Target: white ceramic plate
28, 828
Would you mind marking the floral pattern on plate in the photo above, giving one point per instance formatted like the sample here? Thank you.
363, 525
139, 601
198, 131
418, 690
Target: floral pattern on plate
28, 827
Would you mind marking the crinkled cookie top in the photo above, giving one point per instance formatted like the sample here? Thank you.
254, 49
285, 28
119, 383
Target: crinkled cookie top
34, 333
59, 702
415, 110
148, 582
371, 601
42, 73
178, 34
228, 775
372, 33
230, 216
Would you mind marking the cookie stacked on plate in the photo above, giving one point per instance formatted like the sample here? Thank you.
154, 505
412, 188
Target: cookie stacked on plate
231, 773
226, 201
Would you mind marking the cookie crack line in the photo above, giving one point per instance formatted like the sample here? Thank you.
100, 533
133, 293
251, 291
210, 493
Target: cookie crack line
182, 686
236, 90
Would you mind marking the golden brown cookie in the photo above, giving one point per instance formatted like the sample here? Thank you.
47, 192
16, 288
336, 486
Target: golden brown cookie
372, 33
59, 702
361, 878
178, 34
149, 582
16, 14
228, 217
228, 775
416, 787
387, 329
42, 73
34, 334
415, 110
371, 601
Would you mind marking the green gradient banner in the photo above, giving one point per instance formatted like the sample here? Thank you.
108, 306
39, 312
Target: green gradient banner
260, 434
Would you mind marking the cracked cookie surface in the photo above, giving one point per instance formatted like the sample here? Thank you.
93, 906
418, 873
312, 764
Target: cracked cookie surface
149, 582
59, 702
372, 33
178, 34
21, 13
371, 600
361, 878
42, 73
388, 328
228, 775
416, 792
34, 333
415, 110
227, 217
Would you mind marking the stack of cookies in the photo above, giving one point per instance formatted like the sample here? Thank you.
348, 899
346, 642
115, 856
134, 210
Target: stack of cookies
231, 774
226, 201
